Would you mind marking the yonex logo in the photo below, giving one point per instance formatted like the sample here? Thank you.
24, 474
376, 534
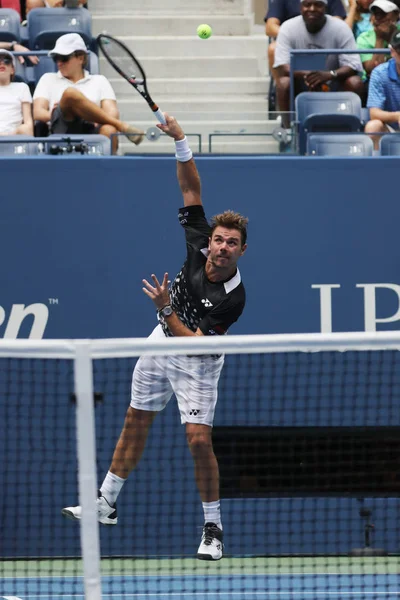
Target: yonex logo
194, 412
206, 302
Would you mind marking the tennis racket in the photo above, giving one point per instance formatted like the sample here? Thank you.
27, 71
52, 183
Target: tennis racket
124, 62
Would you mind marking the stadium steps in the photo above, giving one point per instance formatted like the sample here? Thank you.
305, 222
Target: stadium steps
201, 82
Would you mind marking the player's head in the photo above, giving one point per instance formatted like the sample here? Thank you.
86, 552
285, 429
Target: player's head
228, 238
314, 14
7, 67
70, 54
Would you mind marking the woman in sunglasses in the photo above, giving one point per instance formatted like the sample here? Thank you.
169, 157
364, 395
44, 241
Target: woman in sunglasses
73, 101
15, 100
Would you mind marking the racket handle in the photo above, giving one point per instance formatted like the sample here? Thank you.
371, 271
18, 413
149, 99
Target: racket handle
160, 116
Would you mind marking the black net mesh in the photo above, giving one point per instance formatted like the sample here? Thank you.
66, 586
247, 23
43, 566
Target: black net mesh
308, 446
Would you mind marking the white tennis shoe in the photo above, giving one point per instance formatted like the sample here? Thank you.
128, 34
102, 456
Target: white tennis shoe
211, 545
106, 514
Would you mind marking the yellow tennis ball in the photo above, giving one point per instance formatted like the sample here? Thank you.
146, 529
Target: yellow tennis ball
204, 31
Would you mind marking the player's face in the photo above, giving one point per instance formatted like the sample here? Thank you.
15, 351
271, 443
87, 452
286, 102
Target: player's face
225, 247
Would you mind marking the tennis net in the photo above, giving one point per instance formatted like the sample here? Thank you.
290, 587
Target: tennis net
307, 436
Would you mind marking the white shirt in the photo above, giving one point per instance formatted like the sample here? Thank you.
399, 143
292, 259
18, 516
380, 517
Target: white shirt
52, 86
11, 98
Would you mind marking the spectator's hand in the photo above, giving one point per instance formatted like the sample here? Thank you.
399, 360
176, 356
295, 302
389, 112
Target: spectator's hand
172, 128
385, 30
314, 79
18, 48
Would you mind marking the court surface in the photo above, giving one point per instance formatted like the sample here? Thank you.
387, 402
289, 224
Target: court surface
333, 578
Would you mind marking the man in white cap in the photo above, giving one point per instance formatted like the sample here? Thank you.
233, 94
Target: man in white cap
315, 29
384, 18
15, 100
73, 101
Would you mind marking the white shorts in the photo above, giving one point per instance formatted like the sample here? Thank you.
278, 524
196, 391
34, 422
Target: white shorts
193, 380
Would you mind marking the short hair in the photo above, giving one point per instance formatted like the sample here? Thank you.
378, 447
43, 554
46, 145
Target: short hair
85, 55
231, 220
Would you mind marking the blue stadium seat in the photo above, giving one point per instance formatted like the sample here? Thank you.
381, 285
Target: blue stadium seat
9, 25
97, 144
46, 25
389, 144
326, 112
339, 144
12, 145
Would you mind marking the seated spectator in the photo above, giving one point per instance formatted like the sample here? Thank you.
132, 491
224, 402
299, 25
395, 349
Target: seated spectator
384, 17
17, 47
384, 95
314, 29
73, 101
280, 11
15, 100
31, 4
358, 17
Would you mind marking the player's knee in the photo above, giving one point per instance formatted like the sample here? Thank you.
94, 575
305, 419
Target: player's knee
200, 444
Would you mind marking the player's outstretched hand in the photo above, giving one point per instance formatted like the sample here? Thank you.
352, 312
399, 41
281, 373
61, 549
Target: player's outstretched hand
159, 293
172, 128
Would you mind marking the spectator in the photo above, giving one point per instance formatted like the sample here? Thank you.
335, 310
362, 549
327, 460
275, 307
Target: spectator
31, 4
73, 101
384, 95
384, 17
359, 17
314, 29
17, 47
280, 11
15, 100
14, 4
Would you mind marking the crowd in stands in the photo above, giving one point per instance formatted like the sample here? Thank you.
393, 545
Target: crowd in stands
66, 100
324, 24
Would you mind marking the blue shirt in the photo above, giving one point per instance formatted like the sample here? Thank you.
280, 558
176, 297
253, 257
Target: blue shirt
384, 88
287, 9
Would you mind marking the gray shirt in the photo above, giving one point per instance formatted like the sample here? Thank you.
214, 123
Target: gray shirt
335, 34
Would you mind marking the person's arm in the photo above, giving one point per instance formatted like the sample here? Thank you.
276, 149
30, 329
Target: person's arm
41, 110
272, 27
384, 115
352, 13
188, 176
16, 47
27, 124
159, 294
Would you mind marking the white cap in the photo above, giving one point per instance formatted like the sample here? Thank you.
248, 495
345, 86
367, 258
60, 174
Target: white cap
69, 43
7, 53
384, 5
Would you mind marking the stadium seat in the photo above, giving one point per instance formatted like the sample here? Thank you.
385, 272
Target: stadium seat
339, 144
97, 144
46, 25
389, 144
9, 25
12, 145
326, 112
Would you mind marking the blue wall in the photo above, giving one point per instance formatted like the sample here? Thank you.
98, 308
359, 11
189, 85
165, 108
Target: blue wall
79, 235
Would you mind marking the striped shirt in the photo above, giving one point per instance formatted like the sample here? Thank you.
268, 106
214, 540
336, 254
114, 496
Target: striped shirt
384, 89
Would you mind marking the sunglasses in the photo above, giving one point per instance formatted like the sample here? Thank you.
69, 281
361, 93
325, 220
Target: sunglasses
62, 58
6, 60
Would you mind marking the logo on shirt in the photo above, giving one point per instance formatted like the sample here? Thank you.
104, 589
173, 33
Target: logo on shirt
194, 412
206, 302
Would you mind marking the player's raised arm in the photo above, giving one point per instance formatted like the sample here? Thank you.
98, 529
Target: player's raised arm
188, 176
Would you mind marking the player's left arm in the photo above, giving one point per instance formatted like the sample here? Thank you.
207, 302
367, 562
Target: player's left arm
159, 293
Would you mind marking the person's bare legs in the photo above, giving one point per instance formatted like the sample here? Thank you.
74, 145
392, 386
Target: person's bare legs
375, 126
205, 462
74, 104
108, 131
131, 442
283, 98
271, 58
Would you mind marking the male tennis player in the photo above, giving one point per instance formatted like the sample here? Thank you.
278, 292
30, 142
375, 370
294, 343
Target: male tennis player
205, 298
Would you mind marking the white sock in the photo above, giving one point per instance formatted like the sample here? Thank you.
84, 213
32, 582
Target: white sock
212, 513
111, 487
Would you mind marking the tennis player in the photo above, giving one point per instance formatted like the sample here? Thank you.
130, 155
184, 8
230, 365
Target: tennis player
205, 298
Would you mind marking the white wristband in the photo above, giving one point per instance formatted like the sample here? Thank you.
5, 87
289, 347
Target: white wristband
183, 152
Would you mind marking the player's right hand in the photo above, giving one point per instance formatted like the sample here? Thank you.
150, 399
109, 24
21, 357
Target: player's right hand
172, 128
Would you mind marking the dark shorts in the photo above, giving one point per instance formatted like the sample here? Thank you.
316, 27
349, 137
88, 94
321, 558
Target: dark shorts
60, 125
